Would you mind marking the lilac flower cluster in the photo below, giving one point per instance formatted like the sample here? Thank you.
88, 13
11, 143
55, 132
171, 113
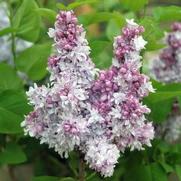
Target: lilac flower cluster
96, 111
170, 130
167, 68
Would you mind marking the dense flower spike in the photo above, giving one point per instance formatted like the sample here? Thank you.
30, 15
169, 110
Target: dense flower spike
167, 68
117, 93
98, 112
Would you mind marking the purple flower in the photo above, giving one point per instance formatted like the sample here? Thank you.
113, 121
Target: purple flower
167, 67
98, 111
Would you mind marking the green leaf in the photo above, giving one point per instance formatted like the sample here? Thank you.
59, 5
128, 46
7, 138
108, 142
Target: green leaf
27, 21
80, 3
72, 163
9, 122
176, 148
13, 106
166, 167
162, 95
47, 13
150, 25
91, 176
9, 78
158, 174
6, 31
152, 33
45, 178
158, 112
101, 53
108, 4
134, 5
113, 29
14, 101
169, 87
98, 46
12, 154
151, 172
170, 13
98, 17
174, 90
178, 171
153, 44
163, 147
67, 179
140, 173
61, 6
166, 87
33, 61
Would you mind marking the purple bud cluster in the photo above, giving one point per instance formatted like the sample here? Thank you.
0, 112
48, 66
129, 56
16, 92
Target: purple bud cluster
124, 43
66, 31
167, 67
96, 111
118, 91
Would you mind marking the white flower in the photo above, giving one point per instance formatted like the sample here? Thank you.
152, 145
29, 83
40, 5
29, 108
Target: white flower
102, 156
94, 117
37, 95
139, 43
115, 113
177, 35
119, 97
131, 22
51, 32
115, 62
80, 94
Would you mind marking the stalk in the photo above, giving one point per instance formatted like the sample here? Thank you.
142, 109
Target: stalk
81, 168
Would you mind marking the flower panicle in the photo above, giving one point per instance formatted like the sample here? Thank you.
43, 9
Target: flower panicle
98, 111
167, 66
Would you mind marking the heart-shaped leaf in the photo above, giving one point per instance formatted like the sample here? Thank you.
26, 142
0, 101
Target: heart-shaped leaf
27, 21
12, 154
8, 78
98, 17
33, 61
170, 13
47, 13
13, 106
134, 5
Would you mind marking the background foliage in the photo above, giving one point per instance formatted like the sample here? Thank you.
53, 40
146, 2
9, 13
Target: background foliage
23, 158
